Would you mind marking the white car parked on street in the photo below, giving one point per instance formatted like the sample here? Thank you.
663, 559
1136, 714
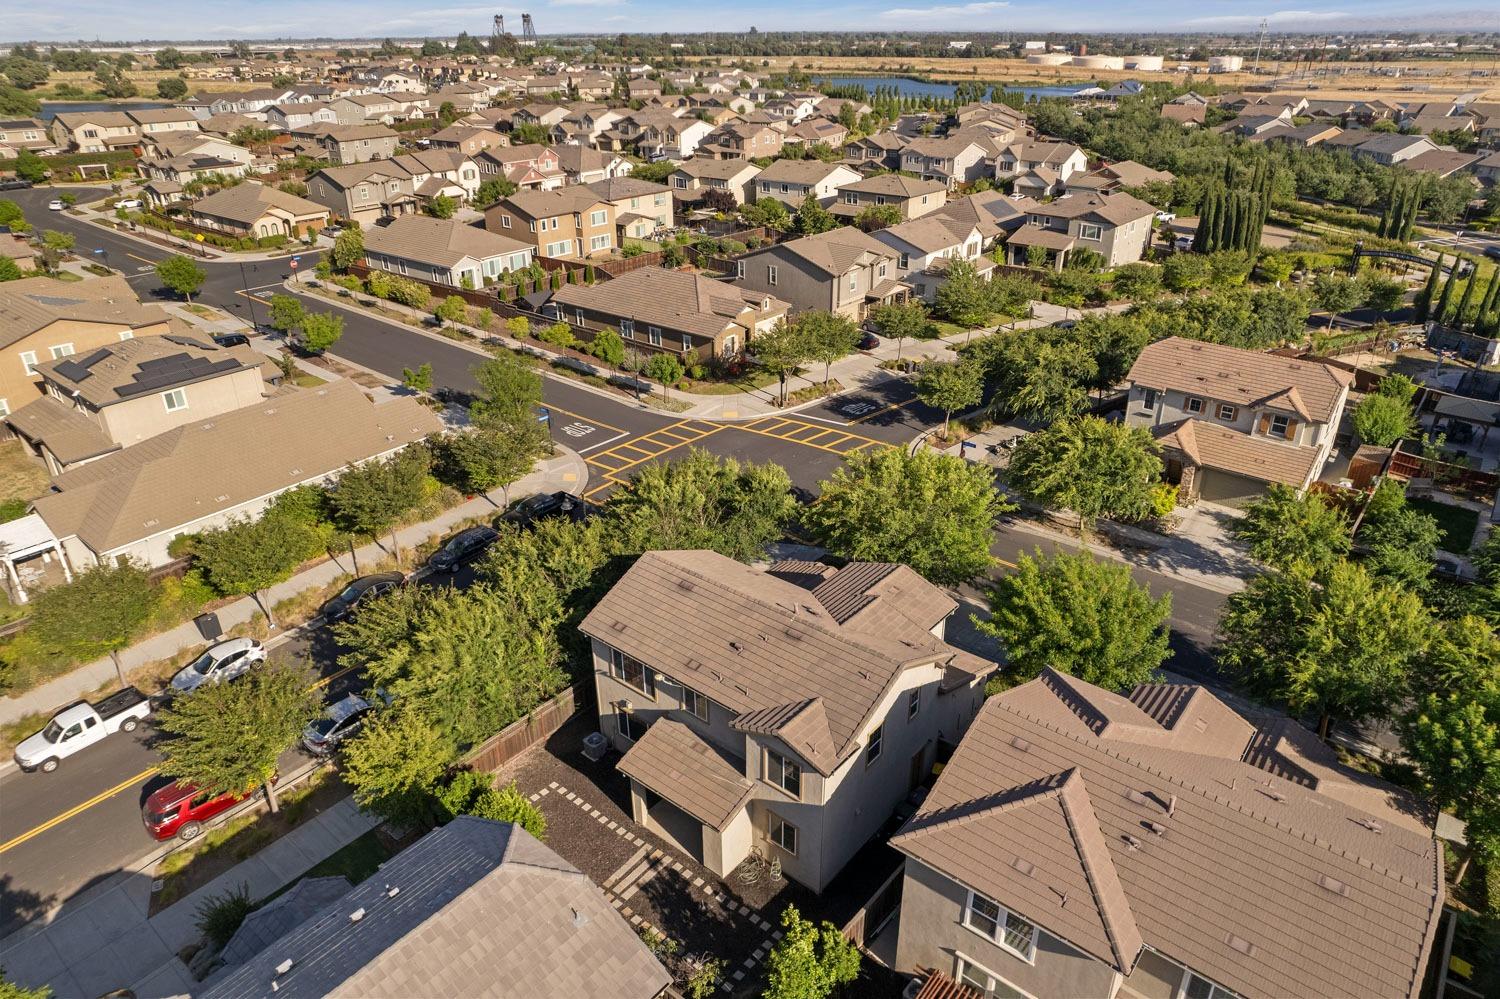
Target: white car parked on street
221, 662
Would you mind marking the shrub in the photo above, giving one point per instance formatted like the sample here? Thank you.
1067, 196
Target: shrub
219, 916
518, 326
482, 318
559, 335
407, 292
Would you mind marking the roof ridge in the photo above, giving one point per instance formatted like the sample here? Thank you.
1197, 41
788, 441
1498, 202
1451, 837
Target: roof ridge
1074, 797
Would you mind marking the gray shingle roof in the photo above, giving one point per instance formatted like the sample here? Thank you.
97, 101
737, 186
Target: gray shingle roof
247, 202
438, 241
483, 910
677, 300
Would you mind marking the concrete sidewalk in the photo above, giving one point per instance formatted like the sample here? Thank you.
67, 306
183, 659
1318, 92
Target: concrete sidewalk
105, 940
565, 472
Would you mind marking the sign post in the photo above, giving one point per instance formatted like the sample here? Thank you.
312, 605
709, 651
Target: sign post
295, 276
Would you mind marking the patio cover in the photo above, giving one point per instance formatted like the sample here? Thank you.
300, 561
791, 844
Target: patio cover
674, 762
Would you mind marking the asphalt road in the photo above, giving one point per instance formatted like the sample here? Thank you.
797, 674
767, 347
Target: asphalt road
61, 832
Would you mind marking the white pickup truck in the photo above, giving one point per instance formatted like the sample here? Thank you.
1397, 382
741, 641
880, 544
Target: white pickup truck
81, 725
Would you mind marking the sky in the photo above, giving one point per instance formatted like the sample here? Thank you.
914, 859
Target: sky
66, 20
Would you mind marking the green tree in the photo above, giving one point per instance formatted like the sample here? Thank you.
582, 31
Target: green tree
393, 764
348, 248
30, 166
827, 336
1090, 466
1182, 272
1294, 533
452, 310
664, 368
962, 296
374, 497
169, 58
251, 556
1426, 297
780, 352
935, 513
12, 216
490, 454
813, 218
321, 330
99, 613
609, 347
1337, 293
418, 380
1040, 375
226, 738
809, 961
181, 275
1382, 420
873, 218
703, 501
1445, 300
173, 88
1341, 646
509, 391
901, 321
950, 386
286, 313
9, 271
1139, 282
11, 990
442, 207
1401, 540
1081, 616
769, 213
492, 190
470, 793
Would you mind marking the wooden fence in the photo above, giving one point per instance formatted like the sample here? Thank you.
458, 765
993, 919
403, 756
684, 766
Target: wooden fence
520, 735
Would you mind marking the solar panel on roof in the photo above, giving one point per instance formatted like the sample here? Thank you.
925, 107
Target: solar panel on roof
168, 371
55, 300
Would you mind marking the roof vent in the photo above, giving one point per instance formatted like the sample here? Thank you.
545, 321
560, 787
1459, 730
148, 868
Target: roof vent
1131, 842
579, 919
686, 584
1370, 824
1272, 793
1157, 829
1171, 806
1240, 944
618, 626
284, 966
693, 665
1333, 884
1026, 867
736, 646
793, 634
1137, 797
357, 915
1017, 742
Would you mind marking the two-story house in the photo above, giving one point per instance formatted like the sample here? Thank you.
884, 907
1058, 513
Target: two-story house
669, 137
530, 166
257, 210
880, 151
344, 144
444, 172
94, 131
955, 159
570, 222
926, 247
445, 251
364, 192
664, 311
1116, 226
467, 139
123, 393
285, 117
800, 706
842, 270
45, 320
23, 133
792, 181
641, 206
910, 197
1230, 421
587, 165
1039, 169
1157, 845
159, 121
697, 176
741, 141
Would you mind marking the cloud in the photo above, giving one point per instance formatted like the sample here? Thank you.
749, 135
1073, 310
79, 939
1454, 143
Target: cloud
1278, 17
952, 10
585, 3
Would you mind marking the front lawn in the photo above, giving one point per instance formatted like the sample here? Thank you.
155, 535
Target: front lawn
1458, 523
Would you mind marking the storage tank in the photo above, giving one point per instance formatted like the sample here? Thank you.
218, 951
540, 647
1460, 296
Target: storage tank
1144, 63
1049, 59
1226, 64
1098, 62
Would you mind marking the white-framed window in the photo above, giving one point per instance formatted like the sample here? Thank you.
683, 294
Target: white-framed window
996, 924
850, 198
1089, 231
1148, 399
783, 773
630, 726
62, 350
1227, 413
127, 335
505, 221
598, 218
1194, 405
4, 407
175, 399
872, 748
632, 673
853, 280
28, 361
782, 833
599, 242
653, 335
694, 703
739, 269
687, 342
1279, 425
771, 275
913, 702
578, 316
989, 984
903, 262
627, 327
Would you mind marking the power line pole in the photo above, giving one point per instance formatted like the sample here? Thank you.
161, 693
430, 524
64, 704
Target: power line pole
1259, 42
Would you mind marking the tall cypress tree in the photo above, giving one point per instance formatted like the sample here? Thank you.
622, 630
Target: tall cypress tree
1205, 223
1487, 304
1424, 298
1385, 220
1464, 300
1445, 300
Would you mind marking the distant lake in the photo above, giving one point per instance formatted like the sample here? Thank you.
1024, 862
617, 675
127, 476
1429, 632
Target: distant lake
51, 109
918, 88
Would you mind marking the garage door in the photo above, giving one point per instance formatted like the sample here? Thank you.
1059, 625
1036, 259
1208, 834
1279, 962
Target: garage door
1229, 489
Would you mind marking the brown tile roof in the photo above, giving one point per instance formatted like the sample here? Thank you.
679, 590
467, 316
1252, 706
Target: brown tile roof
834, 252
117, 372
805, 172
1442, 162
895, 185
875, 596
246, 203
678, 300
31, 304
761, 646
545, 204
65, 431
1035, 235
439, 241
1262, 884
1115, 209
483, 910
199, 469
717, 169
1242, 377
1210, 445
619, 188
929, 233
673, 761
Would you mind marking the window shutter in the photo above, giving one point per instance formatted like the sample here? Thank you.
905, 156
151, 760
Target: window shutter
1291, 429
1265, 423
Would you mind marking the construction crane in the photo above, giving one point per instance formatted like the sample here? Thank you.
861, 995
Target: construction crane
528, 30
499, 30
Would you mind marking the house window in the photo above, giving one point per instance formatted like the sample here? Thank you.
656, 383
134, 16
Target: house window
783, 833
599, 243
632, 673
881, 269
630, 726
627, 327
1194, 405
1279, 425
1090, 232
1148, 399
771, 275
904, 261
989, 984
505, 221
687, 342
990, 920
578, 316
783, 773
597, 218
786, 188
739, 269
175, 400
28, 361
1227, 413
653, 335
4, 407
872, 748
694, 703
913, 702
853, 280
62, 350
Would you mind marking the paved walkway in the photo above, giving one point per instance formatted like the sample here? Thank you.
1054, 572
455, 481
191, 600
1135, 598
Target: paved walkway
105, 940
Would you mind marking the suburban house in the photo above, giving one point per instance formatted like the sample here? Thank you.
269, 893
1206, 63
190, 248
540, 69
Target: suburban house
157, 121
435, 172
445, 251
816, 131
641, 206
1116, 226
793, 716
23, 133
548, 931
286, 117
667, 137
911, 197
364, 192
467, 140
587, 165
190, 167
134, 502
1111, 177
358, 143
42, 319
791, 181
658, 310
742, 141
256, 210
529, 166
926, 247
955, 159
127, 392
842, 270
1039, 169
200, 145
697, 176
880, 151
95, 131
1157, 845
569, 222
1230, 421
994, 213
381, 108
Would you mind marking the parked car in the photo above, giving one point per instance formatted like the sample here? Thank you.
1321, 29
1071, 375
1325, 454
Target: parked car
128, 203
79, 726
868, 340
544, 505
462, 547
1166, 216
231, 340
1492, 252
224, 661
341, 720
357, 592
14, 184
55, 205
180, 810
331, 230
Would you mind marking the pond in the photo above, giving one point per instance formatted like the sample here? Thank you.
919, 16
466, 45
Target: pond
907, 87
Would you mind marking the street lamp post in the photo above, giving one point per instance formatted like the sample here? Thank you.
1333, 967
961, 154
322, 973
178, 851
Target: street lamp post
246, 284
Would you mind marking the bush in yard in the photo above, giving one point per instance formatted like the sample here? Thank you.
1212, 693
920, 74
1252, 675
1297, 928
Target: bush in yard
664, 368
379, 284
559, 335
409, 293
219, 916
482, 318
809, 961
348, 248
471, 793
518, 326
452, 310
1382, 420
